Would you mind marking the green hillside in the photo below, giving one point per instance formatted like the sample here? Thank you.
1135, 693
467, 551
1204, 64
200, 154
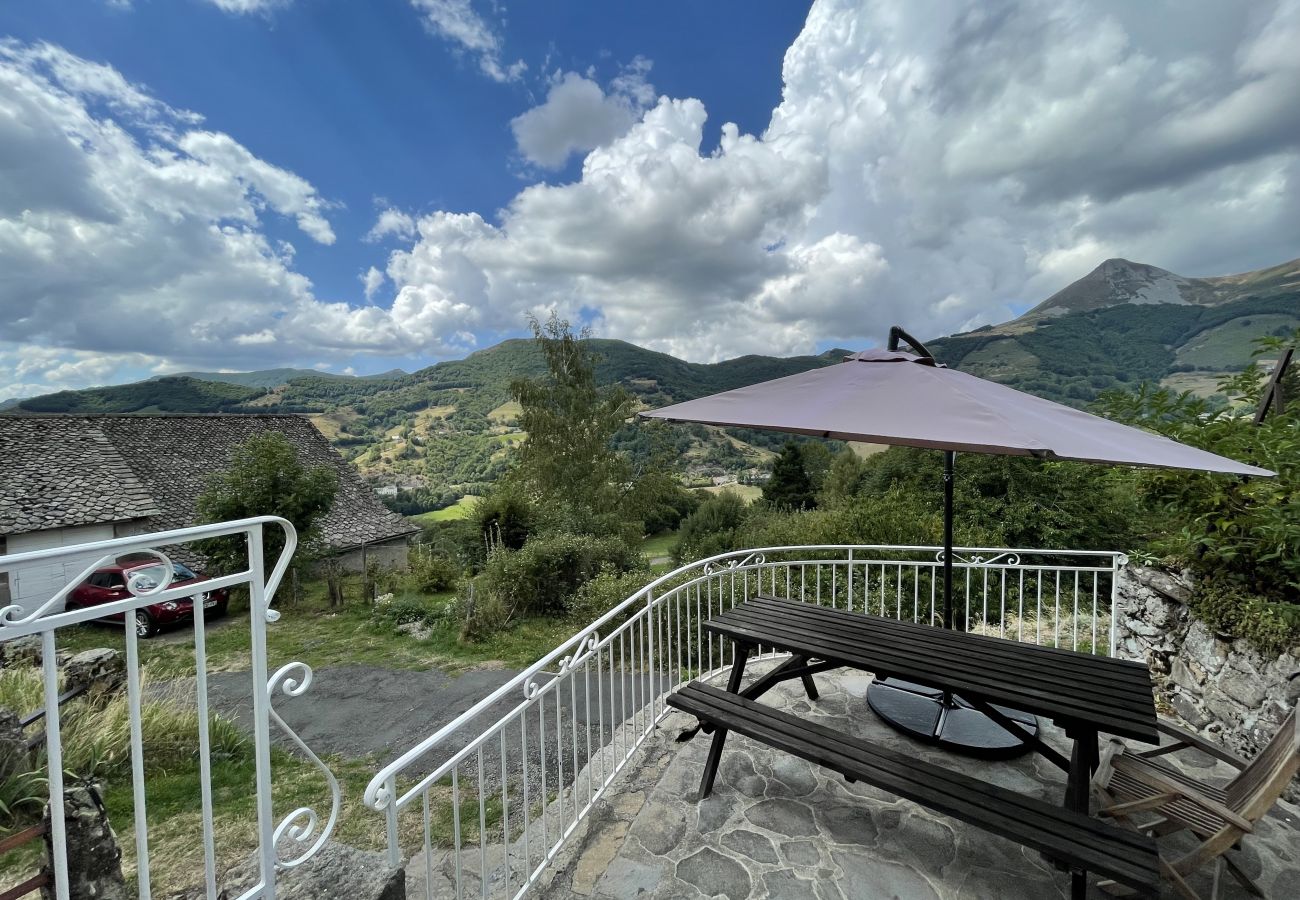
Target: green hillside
263, 378
1125, 323
451, 427
173, 394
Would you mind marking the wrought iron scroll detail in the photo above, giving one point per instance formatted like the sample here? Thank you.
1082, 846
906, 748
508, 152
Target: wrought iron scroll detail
303, 824
753, 559
978, 561
137, 585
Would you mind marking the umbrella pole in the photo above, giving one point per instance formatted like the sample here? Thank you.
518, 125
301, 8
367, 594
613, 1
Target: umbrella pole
935, 715
949, 465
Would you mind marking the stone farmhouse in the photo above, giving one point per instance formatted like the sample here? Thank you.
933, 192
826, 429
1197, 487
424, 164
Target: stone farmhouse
67, 480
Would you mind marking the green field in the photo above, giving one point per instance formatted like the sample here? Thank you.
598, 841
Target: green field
459, 510
1227, 347
659, 545
748, 492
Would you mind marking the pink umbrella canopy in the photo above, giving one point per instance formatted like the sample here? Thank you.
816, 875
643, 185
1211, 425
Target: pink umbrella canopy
905, 399
898, 398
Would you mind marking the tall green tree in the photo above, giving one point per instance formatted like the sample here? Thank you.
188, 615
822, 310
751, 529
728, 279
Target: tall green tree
843, 479
790, 487
266, 477
568, 466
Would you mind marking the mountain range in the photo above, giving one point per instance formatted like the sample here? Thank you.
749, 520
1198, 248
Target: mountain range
452, 424
1125, 323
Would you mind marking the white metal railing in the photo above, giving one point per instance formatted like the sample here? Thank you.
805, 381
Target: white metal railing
300, 827
496, 792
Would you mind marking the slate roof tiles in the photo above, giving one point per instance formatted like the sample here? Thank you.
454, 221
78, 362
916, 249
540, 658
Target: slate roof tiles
71, 470
60, 472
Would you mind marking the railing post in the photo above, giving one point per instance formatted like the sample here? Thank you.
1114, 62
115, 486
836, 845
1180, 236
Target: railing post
1117, 563
54, 757
261, 708
390, 815
650, 640
850, 577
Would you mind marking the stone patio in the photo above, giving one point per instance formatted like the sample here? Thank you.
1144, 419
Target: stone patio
778, 827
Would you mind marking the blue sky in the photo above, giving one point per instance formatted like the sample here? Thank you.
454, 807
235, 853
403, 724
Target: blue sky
356, 186
365, 103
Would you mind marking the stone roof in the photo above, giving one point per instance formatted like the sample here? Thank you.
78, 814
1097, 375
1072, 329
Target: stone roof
173, 457
56, 473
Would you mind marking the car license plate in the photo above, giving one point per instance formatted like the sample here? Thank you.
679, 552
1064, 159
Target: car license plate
208, 604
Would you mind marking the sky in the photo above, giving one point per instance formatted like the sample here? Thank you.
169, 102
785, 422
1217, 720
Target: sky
354, 187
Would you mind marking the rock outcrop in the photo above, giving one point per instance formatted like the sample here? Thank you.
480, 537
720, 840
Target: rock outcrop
1219, 686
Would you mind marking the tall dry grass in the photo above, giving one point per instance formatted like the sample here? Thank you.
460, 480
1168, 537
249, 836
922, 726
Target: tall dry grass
96, 737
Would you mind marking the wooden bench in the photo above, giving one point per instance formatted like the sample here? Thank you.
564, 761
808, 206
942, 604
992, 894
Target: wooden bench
1076, 840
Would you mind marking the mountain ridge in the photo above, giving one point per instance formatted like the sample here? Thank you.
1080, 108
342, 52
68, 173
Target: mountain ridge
1118, 280
453, 423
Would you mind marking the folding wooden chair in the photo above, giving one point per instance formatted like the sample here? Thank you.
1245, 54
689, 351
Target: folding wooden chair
1130, 783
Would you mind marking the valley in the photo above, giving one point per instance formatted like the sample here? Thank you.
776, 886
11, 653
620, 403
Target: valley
448, 429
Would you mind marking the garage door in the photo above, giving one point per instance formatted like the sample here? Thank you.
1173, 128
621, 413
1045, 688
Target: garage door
33, 584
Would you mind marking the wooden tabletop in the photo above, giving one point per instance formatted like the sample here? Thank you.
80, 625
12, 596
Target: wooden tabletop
1073, 689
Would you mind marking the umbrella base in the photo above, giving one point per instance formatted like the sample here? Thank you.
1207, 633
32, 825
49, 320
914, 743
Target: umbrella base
937, 717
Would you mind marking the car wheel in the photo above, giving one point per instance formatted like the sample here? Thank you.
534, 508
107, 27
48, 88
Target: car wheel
144, 624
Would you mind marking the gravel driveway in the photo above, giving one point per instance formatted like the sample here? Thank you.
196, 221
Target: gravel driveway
367, 710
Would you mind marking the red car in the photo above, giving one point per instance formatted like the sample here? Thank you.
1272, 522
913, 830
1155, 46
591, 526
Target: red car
109, 583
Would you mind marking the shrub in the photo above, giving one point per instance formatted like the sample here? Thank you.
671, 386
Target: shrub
481, 611
505, 517
1245, 530
402, 610
712, 528
431, 573
668, 511
602, 593
1273, 627
896, 517
539, 578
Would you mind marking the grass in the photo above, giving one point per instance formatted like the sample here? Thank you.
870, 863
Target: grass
1229, 346
658, 545
506, 413
459, 510
310, 631
96, 745
748, 492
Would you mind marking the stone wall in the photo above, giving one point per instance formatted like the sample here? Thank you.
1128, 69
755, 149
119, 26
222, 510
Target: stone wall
1220, 687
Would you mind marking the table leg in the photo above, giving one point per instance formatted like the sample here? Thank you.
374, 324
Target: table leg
1083, 761
720, 735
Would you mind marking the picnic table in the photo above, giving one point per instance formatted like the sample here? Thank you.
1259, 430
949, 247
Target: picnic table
1083, 694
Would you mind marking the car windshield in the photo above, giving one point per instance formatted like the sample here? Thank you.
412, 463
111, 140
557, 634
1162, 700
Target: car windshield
148, 577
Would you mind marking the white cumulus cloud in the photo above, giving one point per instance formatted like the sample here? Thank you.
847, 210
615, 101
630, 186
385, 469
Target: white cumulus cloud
126, 229
458, 22
245, 7
579, 115
927, 166
372, 280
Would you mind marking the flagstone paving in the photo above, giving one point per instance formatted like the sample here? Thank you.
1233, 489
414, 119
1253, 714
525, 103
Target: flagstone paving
777, 827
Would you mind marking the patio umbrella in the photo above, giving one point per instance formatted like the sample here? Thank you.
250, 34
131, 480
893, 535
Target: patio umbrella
911, 400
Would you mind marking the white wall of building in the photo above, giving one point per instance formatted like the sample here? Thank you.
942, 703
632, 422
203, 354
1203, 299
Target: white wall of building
34, 583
